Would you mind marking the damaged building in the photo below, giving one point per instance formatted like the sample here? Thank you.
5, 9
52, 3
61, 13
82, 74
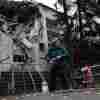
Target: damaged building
26, 31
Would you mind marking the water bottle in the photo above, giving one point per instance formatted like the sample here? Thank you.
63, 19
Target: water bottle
44, 87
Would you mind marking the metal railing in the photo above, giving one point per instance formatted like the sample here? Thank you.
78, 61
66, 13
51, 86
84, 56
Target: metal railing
12, 84
31, 75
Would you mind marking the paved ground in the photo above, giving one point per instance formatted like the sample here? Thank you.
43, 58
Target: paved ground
86, 94
75, 95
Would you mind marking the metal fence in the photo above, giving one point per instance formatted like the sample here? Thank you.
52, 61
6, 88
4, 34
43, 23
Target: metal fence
28, 81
